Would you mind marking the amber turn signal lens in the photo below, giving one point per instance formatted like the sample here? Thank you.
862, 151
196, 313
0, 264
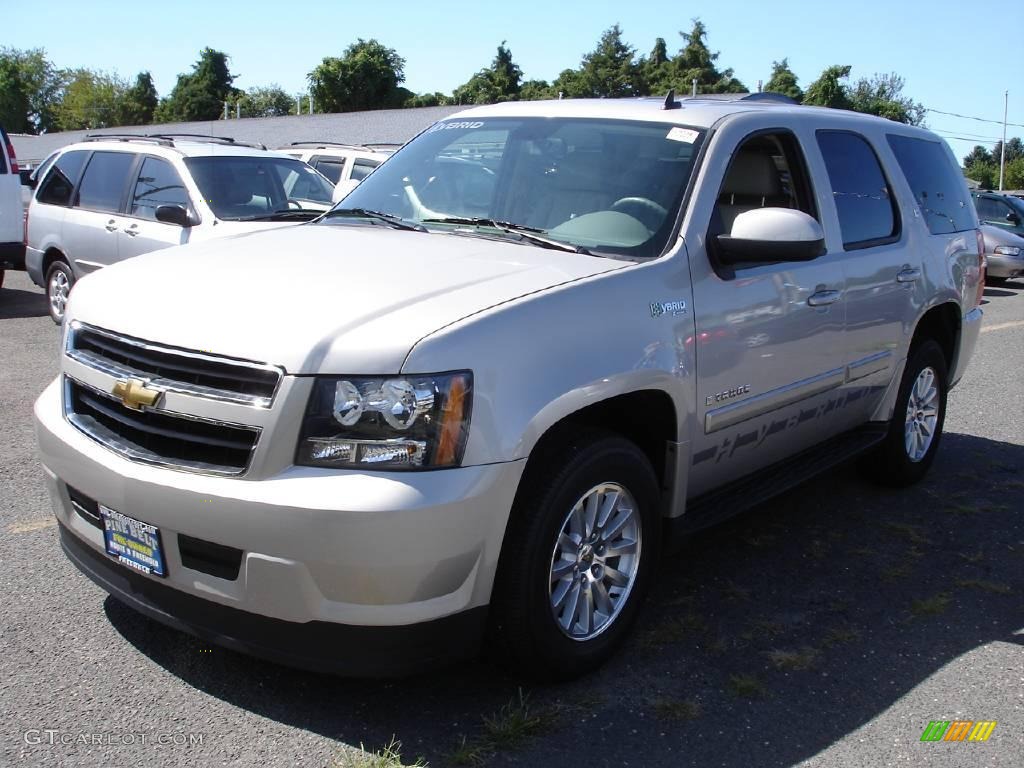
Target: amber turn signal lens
452, 421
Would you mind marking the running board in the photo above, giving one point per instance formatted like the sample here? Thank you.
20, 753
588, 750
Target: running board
715, 506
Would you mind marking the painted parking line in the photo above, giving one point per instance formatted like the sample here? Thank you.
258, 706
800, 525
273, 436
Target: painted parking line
33, 525
1003, 326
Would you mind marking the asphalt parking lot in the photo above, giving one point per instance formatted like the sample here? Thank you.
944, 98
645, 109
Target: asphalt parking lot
827, 628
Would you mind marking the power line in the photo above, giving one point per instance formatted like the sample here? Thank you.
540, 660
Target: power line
971, 117
964, 134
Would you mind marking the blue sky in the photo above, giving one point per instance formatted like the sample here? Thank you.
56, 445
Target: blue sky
947, 50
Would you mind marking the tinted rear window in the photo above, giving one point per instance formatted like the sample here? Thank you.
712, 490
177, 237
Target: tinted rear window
103, 184
863, 200
59, 183
3, 151
938, 186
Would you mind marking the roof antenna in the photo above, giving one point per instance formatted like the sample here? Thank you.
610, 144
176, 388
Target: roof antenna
670, 100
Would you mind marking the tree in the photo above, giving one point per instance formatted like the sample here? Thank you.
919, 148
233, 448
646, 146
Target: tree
1014, 149
90, 100
828, 90
784, 81
882, 95
139, 102
570, 84
270, 101
41, 84
655, 68
14, 102
986, 173
610, 70
1013, 176
696, 62
367, 76
534, 90
499, 82
978, 155
200, 94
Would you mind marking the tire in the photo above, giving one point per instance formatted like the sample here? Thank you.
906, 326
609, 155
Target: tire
59, 281
525, 633
900, 460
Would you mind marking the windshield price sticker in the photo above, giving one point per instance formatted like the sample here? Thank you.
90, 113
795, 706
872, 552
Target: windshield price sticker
682, 134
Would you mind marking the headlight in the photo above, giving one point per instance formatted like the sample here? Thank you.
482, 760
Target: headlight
388, 423
1007, 250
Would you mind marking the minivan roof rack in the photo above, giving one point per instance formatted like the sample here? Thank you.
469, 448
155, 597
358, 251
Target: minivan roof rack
128, 137
342, 145
167, 139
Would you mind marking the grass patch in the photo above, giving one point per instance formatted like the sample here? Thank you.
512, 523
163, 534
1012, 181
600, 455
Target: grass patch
676, 709
507, 729
897, 572
803, 659
1014, 485
931, 606
912, 532
958, 508
673, 631
388, 757
986, 586
973, 557
839, 635
746, 687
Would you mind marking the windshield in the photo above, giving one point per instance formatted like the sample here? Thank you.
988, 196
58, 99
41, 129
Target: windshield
249, 187
610, 186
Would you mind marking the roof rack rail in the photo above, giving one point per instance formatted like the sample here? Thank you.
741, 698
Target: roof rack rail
321, 144
128, 137
202, 137
770, 97
382, 144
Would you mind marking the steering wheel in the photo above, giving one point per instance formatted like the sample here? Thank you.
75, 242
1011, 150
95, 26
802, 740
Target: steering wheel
647, 212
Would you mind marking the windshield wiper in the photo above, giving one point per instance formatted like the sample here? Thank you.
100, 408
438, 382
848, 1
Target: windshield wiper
364, 213
281, 215
530, 234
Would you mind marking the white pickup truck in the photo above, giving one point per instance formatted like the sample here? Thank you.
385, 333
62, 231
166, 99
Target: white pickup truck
476, 397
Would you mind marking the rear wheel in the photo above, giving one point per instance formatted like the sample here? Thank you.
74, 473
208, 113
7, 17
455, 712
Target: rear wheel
59, 279
916, 427
579, 553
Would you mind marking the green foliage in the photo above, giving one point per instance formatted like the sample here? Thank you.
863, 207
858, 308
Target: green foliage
882, 95
784, 81
14, 104
200, 94
695, 61
435, 99
985, 172
977, 155
1013, 177
829, 90
534, 90
269, 101
139, 102
367, 76
570, 84
90, 100
610, 70
499, 82
1014, 149
40, 84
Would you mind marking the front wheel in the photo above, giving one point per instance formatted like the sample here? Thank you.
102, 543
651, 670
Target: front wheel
580, 549
916, 427
59, 279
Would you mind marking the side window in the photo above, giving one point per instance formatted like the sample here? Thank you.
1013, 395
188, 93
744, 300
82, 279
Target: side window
59, 183
331, 168
766, 171
986, 208
158, 184
362, 168
104, 181
938, 186
864, 204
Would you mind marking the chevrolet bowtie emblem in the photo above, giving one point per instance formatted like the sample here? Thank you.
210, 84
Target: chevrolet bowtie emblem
134, 395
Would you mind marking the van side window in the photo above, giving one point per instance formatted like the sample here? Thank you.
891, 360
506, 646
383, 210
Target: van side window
362, 168
60, 182
330, 167
938, 186
864, 202
158, 184
103, 184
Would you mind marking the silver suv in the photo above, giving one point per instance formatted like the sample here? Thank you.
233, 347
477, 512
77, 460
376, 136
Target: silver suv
476, 396
114, 197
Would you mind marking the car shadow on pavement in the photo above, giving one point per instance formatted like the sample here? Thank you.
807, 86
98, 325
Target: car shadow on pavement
767, 639
999, 292
16, 303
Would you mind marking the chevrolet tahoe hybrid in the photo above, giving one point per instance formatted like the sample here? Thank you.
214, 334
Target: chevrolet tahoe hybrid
475, 398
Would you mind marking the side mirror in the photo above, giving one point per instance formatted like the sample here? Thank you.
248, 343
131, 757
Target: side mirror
765, 235
174, 214
342, 188
1013, 218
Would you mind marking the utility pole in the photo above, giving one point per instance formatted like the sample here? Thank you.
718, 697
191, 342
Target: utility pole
225, 109
298, 104
1002, 157
694, 92
238, 110
311, 103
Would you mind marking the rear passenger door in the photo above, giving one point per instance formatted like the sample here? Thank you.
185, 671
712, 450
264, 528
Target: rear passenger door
92, 224
882, 272
156, 184
331, 167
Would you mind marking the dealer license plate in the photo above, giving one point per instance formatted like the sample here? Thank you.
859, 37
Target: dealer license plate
133, 542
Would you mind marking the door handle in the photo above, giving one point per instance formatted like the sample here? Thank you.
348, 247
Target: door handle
823, 298
132, 230
111, 226
908, 275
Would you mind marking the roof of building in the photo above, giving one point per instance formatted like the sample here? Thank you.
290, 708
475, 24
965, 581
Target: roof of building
371, 127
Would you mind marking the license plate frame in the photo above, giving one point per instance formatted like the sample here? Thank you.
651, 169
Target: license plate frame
133, 543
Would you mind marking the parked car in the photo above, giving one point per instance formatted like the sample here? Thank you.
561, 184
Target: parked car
1004, 252
999, 210
366, 443
344, 164
111, 197
30, 178
12, 233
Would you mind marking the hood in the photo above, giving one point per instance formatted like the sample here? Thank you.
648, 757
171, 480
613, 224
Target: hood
995, 236
319, 298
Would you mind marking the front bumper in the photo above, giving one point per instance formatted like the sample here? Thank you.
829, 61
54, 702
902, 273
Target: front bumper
970, 329
1004, 266
319, 547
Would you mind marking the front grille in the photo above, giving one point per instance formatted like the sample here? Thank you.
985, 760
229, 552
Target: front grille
160, 438
174, 370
